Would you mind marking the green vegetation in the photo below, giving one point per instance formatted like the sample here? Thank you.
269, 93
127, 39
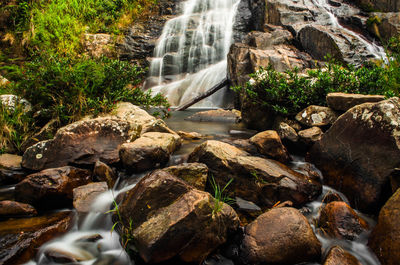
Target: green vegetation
220, 195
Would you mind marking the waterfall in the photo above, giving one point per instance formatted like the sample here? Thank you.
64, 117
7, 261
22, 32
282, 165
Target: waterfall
190, 56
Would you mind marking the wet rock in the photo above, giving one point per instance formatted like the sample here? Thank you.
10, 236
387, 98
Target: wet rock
190, 135
316, 116
269, 144
12, 209
280, 236
84, 196
151, 150
57, 255
385, 237
338, 255
193, 173
10, 169
339, 220
247, 206
21, 238
51, 187
286, 132
12, 101
262, 181
97, 45
343, 101
331, 197
360, 151
173, 219
102, 172
218, 115
309, 136
243, 144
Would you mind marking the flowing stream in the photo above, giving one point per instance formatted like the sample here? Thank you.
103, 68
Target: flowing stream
190, 56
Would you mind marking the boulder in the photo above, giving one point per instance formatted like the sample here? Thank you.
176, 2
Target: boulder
21, 238
358, 154
243, 144
102, 172
286, 132
280, 236
10, 169
12, 209
344, 101
51, 187
190, 135
193, 173
150, 151
339, 220
385, 237
316, 116
269, 143
310, 136
84, 196
262, 181
171, 219
338, 255
218, 115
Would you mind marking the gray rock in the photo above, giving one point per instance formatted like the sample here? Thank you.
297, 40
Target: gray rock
316, 116
344, 101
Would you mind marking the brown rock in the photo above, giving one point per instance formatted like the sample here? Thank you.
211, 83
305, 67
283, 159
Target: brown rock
9, 161
243, 144
84, 196
331, 197
316, 116
104, 173
286, 132
10, 169
11, 208
310, 136
338, 255
280, 236
47, 132
150, 151
343, 101
21, 238
339, 220
51, 187
385, 237
218, 115
190, 135
360, 151
269, 144
193, 173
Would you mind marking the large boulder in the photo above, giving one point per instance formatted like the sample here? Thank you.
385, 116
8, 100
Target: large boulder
170, 218
358, 154
51, 188
280, 236
339, 220
338, 255
21, 238
385, 238
219, 115
262, 181
344, 101
195, 174
150, 151
269, 143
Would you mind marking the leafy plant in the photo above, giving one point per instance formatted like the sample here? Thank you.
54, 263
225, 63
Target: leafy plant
219, 195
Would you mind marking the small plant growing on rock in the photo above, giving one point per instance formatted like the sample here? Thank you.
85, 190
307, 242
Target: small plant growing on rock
220, 196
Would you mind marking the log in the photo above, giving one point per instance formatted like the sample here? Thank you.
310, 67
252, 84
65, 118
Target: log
204, 95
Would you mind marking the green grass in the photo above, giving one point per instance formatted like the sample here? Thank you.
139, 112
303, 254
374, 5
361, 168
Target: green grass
220, 195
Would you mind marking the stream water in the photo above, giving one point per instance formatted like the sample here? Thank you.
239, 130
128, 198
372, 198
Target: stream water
97, 223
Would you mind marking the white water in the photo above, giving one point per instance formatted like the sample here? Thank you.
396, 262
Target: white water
190, 56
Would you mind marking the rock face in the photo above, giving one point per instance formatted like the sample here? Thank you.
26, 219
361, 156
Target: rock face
195, 174
173, 219
262, 181
385, 237
340, 221
338, 255
51, 187
11, 208
280, 236
360, 151
151, 150
316, 116
387, 25
269, 143
343, 101
21, 238
381, 5
84, 196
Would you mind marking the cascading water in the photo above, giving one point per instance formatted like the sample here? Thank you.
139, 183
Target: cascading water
190, 56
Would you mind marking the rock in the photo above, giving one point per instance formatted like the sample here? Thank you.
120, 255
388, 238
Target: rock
170, 219
385, 25
57, 255
97, 45
150, 151
193, 173
243, 144
12, 101
286, 132
11, 208
339, 220
331, 197
385, 237
316, 116
190, 135
46, 132
9, 161
218, 115
21, 238
262, 181
343, 101
249, 17
358, 154
103, 172
84, 196
338, 255
280, 236
10, 169
381, 5
269, 144
51, 187
310, 136
3, 81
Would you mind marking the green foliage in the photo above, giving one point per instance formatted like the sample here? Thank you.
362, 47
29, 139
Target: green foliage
126, 232
220, 196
